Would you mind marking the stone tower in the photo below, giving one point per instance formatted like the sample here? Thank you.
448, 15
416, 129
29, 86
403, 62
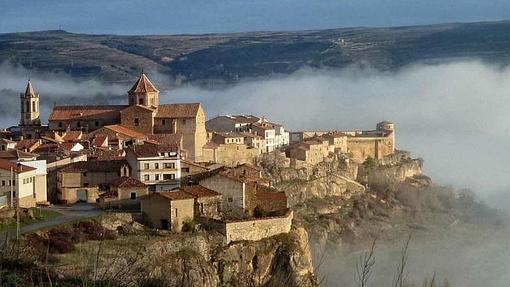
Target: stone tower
29, 107
143, 93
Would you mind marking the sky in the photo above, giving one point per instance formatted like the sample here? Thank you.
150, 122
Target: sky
212, 16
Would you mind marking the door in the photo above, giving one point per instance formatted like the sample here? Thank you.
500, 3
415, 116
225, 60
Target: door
81, 195
164, 224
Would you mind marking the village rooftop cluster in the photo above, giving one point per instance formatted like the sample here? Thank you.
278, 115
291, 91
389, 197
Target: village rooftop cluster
166, 161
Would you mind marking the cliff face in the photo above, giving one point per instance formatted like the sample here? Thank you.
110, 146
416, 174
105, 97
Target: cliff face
203, 259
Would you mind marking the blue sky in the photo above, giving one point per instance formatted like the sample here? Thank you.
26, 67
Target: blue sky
206, 16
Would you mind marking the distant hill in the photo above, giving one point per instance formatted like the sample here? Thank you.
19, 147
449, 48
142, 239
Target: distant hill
231, 57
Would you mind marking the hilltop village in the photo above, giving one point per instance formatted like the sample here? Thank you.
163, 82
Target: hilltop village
168, 161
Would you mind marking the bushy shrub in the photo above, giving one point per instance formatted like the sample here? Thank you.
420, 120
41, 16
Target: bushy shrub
189, 226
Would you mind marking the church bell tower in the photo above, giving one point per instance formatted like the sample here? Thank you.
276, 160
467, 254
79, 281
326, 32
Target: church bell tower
29, 107
143, 93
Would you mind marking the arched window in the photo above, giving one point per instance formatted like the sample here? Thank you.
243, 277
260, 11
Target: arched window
27, 106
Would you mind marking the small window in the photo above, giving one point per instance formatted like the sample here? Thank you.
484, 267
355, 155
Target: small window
163, 122
84, 174
156, 177
185, 169
146, 177
3, 182
59, 124
78, 124
230, 199
168, 176
156, 165
146, 166
184, 121
169, 165
96, 123
86, 184
137, 122
133, 195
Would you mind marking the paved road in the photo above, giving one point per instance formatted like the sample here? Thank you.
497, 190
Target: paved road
69, 214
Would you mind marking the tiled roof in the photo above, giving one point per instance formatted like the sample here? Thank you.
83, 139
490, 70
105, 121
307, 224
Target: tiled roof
171, 139
176, 111
106, 112
6, 141
29, 91
16, 154
67, 146
175, 194
248, 119
99, 140
27, 143
94, 166
270, 196
143, 85
125, 131
71, 136
19, 168
151, 150
199, 191
127, 182
99, 154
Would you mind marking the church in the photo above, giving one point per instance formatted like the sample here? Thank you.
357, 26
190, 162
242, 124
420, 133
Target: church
143, 114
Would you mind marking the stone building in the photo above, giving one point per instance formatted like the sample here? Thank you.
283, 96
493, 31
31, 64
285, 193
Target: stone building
144, 114
30, 122
207, 202
85, 180
229, 154
168, 210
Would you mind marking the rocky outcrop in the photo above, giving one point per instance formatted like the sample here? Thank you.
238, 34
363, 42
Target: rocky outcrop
204, 259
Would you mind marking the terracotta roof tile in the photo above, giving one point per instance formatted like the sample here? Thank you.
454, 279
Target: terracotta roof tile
94, 166
143, 85
16, 154
19, 168
72, 136
99, 140
120, 129
177, 111
199, 191
127, 182
271, 196
106, 112
175, 194
151, 150
171, 139
27, 143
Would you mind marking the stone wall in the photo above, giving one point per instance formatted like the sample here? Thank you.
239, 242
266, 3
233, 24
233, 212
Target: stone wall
257, 229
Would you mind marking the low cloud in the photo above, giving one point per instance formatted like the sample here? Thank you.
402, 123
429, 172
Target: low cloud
454, 115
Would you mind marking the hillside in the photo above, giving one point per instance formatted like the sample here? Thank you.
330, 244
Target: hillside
231, 57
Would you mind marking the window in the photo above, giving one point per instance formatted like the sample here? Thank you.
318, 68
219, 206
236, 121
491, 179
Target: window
84, 174
146, 166
31, 179
169, 165
176, 212
146, 177
59, 124
3, 182
137, 122
140, 101
184, 121
156, 177
96, 123
14, 182
163, 122
230, 199
133, 195
86, 184
33, 106
185, 169
78, 124
168, 176
156, 165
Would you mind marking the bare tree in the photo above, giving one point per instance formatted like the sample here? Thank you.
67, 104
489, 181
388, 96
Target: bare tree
400, 276
364, 265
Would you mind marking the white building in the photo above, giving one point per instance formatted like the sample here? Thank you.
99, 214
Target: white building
157, 166
18, 184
